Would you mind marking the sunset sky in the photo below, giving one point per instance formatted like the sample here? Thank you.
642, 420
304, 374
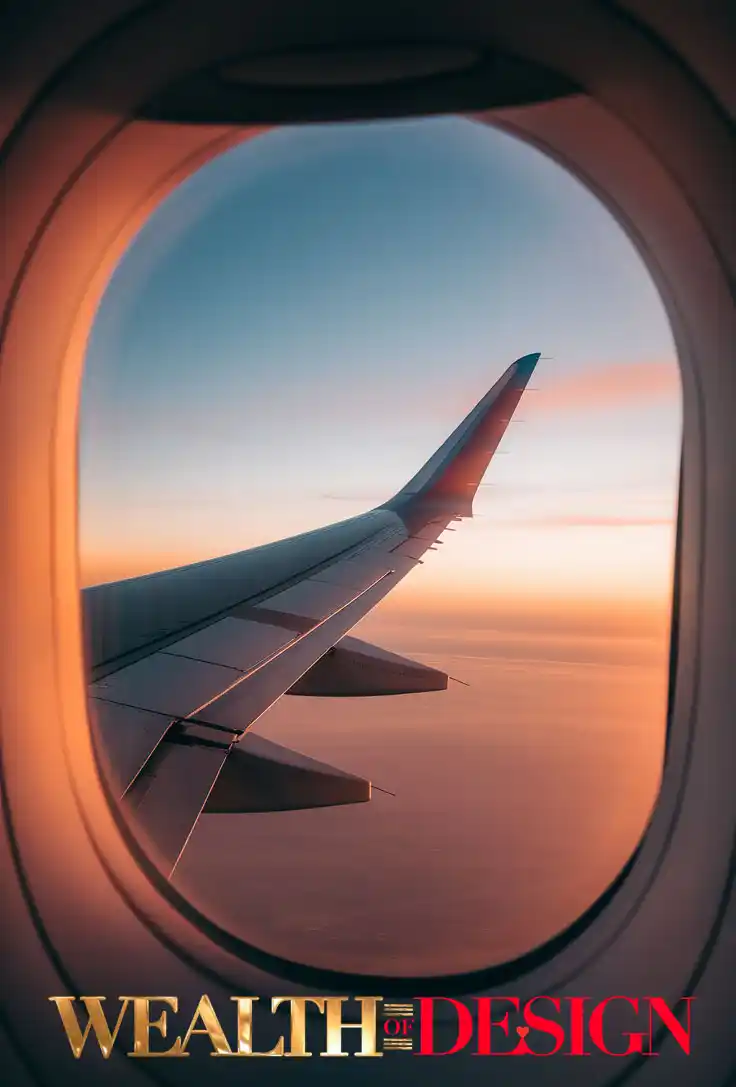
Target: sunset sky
288, 339
305, 320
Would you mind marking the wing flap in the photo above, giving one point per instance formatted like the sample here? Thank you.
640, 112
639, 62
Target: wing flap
170, 789
311, 597
261, 776
127, 737
170, 792
245, 701
354, 668
165, 683
234, 642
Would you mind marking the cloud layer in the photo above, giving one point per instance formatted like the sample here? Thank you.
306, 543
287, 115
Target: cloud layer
554, 520
628, 383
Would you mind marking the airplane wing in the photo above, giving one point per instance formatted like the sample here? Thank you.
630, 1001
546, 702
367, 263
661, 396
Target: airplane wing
183, 662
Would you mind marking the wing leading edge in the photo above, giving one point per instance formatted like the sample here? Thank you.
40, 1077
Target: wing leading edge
184, 662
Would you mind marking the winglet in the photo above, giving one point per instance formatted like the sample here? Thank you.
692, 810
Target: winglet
449, 480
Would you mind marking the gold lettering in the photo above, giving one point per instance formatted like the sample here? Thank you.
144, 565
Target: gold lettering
367, 1027
245, 1030
205, 1021
210, 1026
143, 1025
95, 1019
298, 1014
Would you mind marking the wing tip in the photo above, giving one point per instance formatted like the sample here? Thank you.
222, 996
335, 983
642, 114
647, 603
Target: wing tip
526, 364
429, 479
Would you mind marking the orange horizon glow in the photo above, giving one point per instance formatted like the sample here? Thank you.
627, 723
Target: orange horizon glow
514, 547
600, 611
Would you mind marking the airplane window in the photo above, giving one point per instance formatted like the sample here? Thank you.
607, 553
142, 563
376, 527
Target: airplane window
286, 342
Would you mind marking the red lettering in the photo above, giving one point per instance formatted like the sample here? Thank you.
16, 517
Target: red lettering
671, 1022
426, 1026
547, 1026
577, 1027
485, 1022
595, 1028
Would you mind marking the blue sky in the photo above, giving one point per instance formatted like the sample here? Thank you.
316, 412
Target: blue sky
303, 321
